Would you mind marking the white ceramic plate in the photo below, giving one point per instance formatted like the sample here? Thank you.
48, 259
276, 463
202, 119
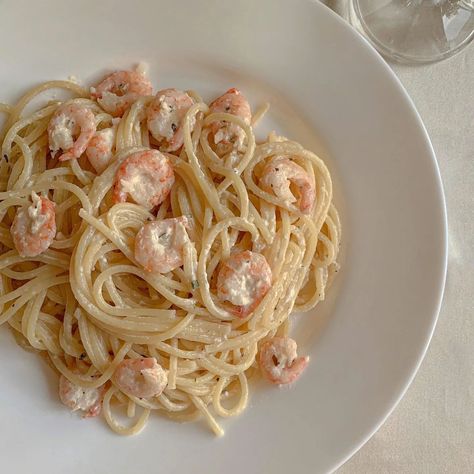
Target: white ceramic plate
333, 93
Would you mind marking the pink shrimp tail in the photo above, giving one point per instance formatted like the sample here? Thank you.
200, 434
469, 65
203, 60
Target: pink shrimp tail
297, 368
307, 199
66, 156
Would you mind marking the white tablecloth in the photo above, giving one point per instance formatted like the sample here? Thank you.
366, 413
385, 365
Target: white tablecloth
432, 429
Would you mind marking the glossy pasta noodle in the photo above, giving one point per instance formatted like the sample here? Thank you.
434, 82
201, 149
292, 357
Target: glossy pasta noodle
87, 304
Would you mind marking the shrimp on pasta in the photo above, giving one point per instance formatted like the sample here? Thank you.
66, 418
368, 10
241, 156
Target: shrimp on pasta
153, 250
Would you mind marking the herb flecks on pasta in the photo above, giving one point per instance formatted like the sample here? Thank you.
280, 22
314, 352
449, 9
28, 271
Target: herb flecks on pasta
153, 251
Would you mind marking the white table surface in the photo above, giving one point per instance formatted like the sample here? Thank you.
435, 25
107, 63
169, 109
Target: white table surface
432, 429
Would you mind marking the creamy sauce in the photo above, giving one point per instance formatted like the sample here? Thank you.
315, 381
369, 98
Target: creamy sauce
79, 398
37, 218
242, 286
230, 133
285, 360
161, 245
140, 185
279, 183
232, 159
142, 383
160, 238
85, 398
165, 123
61, 137
155, 376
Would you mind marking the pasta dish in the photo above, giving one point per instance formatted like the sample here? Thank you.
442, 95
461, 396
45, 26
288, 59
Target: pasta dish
152, 252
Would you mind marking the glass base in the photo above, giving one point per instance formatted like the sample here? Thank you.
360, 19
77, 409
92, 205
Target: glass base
415, 31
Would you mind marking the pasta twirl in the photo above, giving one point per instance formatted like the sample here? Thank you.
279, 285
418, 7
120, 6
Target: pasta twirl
87, 303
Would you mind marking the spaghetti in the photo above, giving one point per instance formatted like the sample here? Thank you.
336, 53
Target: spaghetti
87, 303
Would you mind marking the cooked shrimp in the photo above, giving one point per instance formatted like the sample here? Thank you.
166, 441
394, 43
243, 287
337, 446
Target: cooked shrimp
159, 245
70, 130
243, 280
142, 378
226, 134
100, 149
279, 362
165, 118
75, 397
278, 176
34, 227
118, 91
146, 176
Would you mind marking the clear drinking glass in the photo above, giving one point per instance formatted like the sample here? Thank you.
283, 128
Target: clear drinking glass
415, 31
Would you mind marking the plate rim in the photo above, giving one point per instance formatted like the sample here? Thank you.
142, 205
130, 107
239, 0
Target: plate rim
438, 204
445, 236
